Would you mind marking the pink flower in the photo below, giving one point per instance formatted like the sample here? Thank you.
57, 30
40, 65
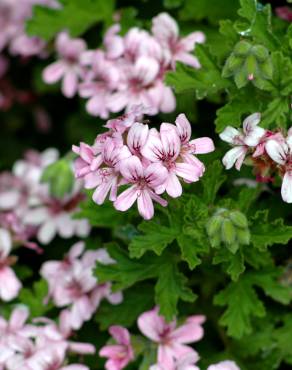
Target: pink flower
145, 181
186, 362
68, 68
284, 12
90, 159
165, 148
191, 147
100, 82
250, 137
171, 340
120, 354
224, 365
166, 31
114, 44
105, 179
9, 283
281, 153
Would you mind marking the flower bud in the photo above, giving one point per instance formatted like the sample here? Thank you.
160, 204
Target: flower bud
238, 219
214, 225
251, 66
231, 65
240, 78
266, 69
260, 52
243, 236
228, 232
242, 48
59, 176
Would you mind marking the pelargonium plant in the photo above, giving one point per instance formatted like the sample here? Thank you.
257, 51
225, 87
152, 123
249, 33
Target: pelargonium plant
145, 185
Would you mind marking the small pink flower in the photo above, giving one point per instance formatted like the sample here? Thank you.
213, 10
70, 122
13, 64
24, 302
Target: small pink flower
114, 44
68, 68
120, 354
171, 340
281, 153
105, 179
186, 362
9, 283
99, 83
164, 148
166, 31
224, 365
250, 137
284, 12
145, 181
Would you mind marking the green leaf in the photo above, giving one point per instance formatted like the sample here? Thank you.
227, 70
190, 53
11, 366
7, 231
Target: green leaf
75, 16
204, 81
171, 286
35, 298
155, 238
135, 301
170, 4
233, 264
232, 113
258, 24
246, 198
189, 250
212, 181
276, 113
101, 216
212, 10
126, 272
265, 233
243, 302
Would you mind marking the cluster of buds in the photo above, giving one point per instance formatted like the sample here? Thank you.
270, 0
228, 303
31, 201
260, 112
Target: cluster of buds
229, 228
172, 342
248, 62
149, 161
72, 284
40, 345
127, 71
269, 152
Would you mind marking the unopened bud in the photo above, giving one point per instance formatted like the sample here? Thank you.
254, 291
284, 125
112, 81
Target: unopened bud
240, 78
243, 236
260, 52
251, 66
214, 225
238, 219
266, 69
228, 232
242, 48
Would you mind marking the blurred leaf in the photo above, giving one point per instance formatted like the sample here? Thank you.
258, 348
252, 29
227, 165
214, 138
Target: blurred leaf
35, 298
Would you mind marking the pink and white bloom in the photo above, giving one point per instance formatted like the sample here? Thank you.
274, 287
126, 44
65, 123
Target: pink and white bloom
281, 153
166, 31
172, 340
164, 147
99, 83
145, 181
189, 148
224, 365
9, 283
186, 362
242, 140
121, 353
68, 68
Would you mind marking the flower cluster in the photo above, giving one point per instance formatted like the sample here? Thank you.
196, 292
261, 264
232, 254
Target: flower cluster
39, 346
151, 162
72, 284
28, 211
13, 14
268, 151
173, 350
127, 71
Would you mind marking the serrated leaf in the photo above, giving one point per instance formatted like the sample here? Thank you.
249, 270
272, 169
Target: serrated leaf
74, 16
276, 113
212, 10
242, 304
155, 238
204, 81
171, 286
258, 23
212, 181
189, 250
231, 114
246, 198
265, 233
